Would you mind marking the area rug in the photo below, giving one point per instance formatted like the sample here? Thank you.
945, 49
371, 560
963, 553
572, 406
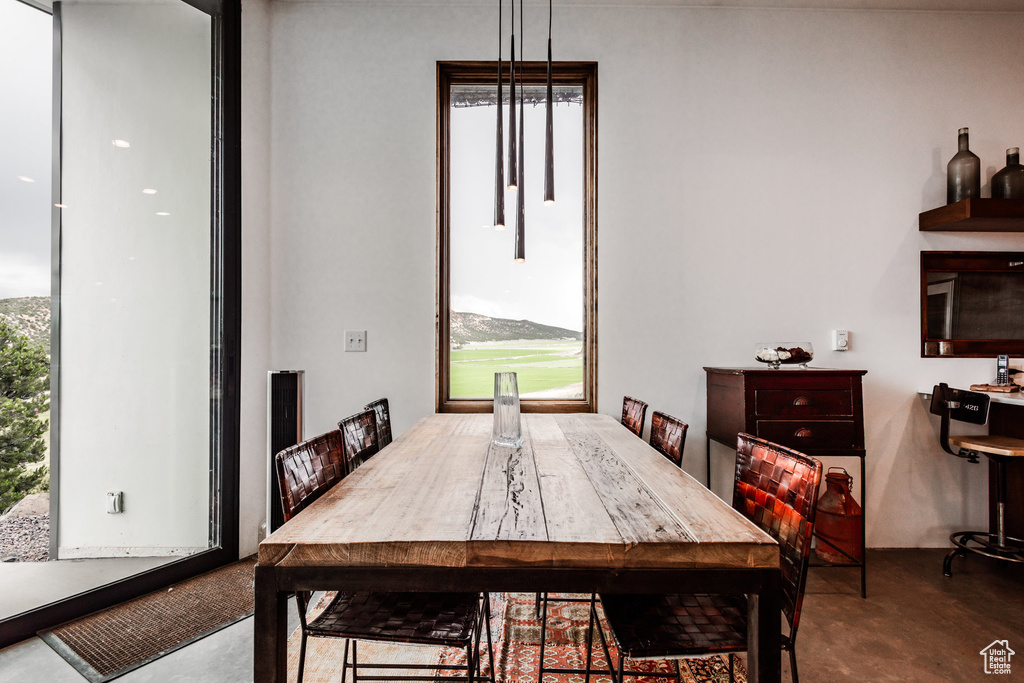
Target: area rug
114, 641
515, 628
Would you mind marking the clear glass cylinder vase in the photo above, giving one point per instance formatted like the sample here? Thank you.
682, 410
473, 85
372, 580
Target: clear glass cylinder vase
507, 428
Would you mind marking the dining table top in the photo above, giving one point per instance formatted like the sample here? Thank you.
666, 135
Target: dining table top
582, 491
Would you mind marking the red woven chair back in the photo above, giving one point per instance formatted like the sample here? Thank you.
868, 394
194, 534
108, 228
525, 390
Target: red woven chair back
633, 413
359, 438
307, 470
777, 489
668, 434
383, 416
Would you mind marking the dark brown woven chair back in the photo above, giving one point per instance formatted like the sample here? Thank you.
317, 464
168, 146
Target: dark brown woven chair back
633, 414
359, 438
668, 434
383, 415
777, 489
307, 470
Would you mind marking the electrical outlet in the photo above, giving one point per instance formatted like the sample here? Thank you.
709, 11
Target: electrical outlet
355, 340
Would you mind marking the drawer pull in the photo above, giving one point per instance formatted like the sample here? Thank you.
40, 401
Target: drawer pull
801, 401
803, 433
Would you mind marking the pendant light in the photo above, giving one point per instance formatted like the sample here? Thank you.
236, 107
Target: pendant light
549, 132
499, 165
521, 198
513, 176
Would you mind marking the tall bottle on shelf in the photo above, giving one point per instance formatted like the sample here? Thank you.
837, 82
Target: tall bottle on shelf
963, 172
1009, 182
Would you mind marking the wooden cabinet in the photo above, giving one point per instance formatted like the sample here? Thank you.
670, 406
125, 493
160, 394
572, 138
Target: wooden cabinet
816, 411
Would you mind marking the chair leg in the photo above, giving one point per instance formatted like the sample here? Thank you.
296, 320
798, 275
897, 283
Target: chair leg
792, 664
355, 663
732, 668
302, 655
490, 645
679, 672
590, 635
344, 665
543, 633
622, 670
947, 564
470, 666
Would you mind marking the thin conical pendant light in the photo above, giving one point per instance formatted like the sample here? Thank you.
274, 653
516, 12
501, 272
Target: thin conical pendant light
513, 176
549, 132
499, 165
521, 198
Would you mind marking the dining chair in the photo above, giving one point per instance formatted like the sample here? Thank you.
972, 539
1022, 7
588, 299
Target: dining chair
668, 435
383, 416
633, 413
359, 438
776, 488
972, 407
457, 620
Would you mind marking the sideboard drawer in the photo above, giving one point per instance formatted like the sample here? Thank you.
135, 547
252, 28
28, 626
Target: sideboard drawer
803, 403
801, 434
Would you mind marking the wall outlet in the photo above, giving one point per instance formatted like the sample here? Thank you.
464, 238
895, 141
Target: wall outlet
355, 340
840, 340
115, 502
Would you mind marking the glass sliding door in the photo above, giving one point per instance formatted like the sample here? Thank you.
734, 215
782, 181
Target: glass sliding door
145, 291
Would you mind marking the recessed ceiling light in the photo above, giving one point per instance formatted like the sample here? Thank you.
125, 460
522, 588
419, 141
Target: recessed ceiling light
162, 213
26, 179
122, 144
61, 206
149, 190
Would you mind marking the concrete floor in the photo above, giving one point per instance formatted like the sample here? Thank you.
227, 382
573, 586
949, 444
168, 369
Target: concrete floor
916, 625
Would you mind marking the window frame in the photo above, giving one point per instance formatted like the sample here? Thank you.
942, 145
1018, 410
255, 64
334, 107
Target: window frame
534, 73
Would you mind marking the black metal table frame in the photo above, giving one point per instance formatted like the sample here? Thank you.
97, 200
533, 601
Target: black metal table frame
274, 584
863, 562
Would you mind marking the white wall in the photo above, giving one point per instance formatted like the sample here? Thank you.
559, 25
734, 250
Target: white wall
762, 170
135, 287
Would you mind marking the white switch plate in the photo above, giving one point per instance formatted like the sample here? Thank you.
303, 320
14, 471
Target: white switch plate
355, 340
840, 340
115, 502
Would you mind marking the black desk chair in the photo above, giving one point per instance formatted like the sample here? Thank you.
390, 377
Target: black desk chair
972, 406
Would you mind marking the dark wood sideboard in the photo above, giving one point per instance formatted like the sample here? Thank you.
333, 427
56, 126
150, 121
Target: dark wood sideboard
1006, 417
816, 411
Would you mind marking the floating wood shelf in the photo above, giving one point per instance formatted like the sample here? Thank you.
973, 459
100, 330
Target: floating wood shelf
975, 215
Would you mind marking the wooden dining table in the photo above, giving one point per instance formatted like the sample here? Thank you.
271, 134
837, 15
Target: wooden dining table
583, 506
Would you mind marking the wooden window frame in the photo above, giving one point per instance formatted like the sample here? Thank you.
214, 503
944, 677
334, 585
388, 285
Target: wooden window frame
563, 73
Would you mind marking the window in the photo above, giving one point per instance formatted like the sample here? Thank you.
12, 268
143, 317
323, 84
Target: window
536, 318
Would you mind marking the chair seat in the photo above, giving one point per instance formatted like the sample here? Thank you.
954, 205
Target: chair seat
1007, 446
655, 626
423, 618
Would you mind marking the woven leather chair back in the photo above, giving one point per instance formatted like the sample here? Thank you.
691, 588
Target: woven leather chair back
359, 438
633, 413
777, 489
383, 415
668, 434
307, 470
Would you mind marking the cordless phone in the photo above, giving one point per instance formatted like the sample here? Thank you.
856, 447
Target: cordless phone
1003, 370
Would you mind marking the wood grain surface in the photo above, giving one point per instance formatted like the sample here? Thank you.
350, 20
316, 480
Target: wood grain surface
581, 492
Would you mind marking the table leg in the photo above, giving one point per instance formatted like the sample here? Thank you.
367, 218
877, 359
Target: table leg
270, 629
764, 631
707, 471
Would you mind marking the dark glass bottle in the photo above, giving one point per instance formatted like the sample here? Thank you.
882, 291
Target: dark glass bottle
1009, 182
963, 173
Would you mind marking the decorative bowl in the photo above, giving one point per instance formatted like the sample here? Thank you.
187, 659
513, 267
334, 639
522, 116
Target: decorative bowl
775, 354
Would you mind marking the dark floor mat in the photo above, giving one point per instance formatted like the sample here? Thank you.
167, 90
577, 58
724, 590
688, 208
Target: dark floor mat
112, 642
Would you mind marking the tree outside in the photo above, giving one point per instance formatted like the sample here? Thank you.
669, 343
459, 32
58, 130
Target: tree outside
24, 397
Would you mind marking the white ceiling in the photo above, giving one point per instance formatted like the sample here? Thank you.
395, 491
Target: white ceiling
909, 5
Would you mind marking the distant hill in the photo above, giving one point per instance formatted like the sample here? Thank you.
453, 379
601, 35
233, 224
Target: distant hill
473, 327
31, 316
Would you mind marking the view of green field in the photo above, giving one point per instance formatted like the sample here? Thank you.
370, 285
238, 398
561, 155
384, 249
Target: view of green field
547, 368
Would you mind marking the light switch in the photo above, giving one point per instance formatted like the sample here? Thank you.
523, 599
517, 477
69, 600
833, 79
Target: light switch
355, 340
115, 502
840, 340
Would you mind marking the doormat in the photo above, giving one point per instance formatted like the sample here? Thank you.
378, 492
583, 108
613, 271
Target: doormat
114, 641
515, 630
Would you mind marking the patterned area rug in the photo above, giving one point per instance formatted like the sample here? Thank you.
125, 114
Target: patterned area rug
515, 628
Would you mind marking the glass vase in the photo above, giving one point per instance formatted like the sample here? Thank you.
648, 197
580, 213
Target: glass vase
1009, 182
507, 429
963, 172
